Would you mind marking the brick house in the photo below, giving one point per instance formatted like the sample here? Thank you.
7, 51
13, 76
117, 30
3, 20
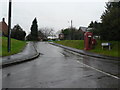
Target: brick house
3, 28
61, 36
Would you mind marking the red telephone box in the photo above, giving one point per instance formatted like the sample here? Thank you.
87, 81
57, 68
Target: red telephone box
88, 37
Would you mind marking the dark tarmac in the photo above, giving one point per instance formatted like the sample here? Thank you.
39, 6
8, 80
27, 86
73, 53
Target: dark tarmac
60, 68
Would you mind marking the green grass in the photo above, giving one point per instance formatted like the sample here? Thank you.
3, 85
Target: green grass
113, 52
79, 44
16, 46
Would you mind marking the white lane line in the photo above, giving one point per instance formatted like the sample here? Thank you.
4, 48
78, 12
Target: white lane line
99, 70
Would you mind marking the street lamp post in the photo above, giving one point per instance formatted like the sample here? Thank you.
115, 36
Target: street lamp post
9, 26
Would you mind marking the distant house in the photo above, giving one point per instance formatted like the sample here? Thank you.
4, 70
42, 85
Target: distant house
3, 28
88, 29
52, 37
83, 29
0, 33
61, 36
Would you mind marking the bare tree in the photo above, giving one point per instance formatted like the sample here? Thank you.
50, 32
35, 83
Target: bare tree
47, 31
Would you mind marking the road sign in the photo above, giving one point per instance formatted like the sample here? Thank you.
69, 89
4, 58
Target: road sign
106, 44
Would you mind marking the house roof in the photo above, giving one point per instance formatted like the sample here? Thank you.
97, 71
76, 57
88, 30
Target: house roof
3, 27
88, 29
83, 29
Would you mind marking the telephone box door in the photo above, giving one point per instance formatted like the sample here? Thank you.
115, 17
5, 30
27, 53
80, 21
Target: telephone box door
88, 40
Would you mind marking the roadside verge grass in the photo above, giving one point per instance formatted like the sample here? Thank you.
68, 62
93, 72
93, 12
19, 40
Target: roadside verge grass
114, 48
79, 44
16, 46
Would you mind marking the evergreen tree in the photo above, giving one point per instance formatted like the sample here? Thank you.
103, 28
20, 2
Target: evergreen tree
18, 33
34, 30
111, 22
91, 24
95, 28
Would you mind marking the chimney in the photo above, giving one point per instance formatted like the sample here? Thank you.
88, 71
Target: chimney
3, 19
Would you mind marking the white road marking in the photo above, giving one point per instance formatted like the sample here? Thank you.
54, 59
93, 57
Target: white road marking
99, 70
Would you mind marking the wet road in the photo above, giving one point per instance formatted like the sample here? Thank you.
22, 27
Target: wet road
60, 68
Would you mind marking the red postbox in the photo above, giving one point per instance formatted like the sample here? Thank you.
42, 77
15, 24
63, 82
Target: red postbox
88, 38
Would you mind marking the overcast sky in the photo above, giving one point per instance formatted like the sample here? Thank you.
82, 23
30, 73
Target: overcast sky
53, 13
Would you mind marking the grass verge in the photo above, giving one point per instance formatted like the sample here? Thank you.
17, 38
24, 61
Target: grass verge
113, 52
16, 46
79, 44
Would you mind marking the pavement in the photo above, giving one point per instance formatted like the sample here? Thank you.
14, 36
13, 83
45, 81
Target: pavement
28, 53
83, 52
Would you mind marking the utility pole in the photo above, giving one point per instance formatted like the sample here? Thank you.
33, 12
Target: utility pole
71, 31
71, 24
9, 26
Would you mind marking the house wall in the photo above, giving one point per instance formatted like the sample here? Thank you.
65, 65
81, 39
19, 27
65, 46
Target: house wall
0, 29
3, 28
